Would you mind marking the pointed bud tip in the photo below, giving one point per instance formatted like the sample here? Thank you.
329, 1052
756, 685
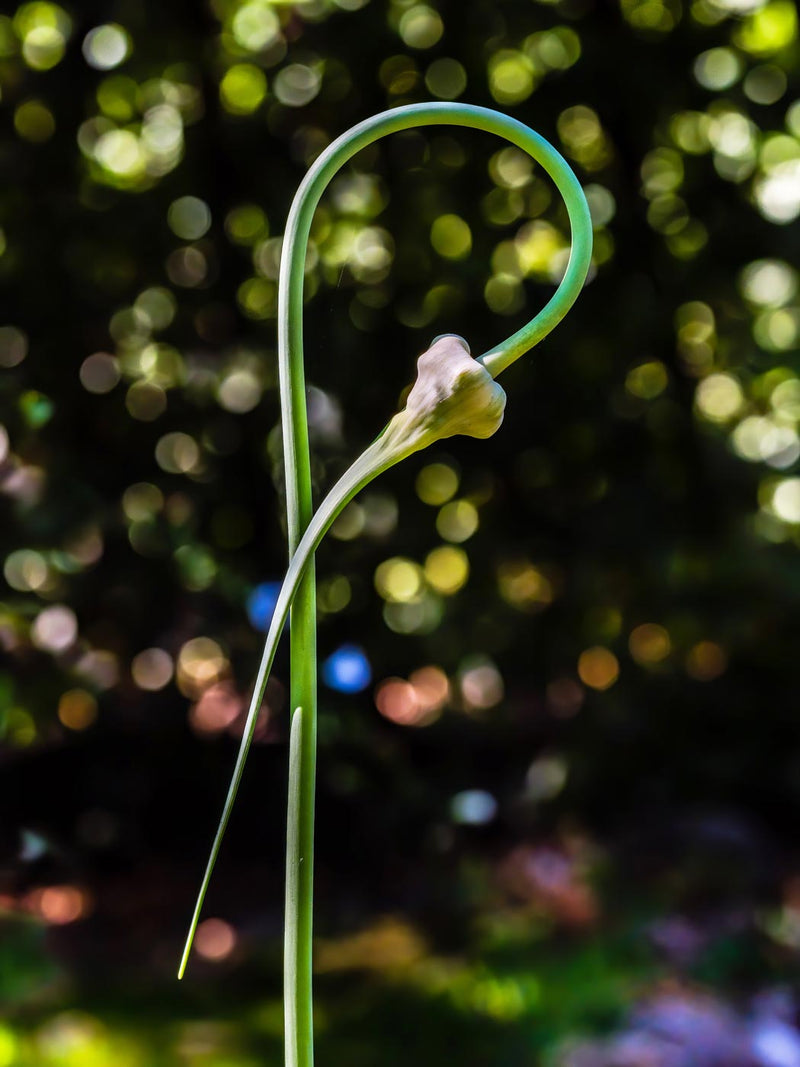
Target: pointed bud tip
456, 337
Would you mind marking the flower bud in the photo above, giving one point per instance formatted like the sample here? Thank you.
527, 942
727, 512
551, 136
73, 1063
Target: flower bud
453, 394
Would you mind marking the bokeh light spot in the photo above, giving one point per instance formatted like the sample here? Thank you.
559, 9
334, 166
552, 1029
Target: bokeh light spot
105, 47
446, 78
152, 669
145, 401
261, 605
187, 267
297, 84
189, 217
718, 68
524, 586
201, 662
121, 153
765, 84
583, 136
246, 224
34, 121
558, 48
155, 307
447, 569
334, 595
398, 74
436, 484
598, 668
243, 89
648, 380
20, 729
546, 777
44, 29
719, 397
61, 904
769, 29
421, 26
13, 346
481, 684
218, 707
451, 237
197, 566
255, 25
602, 205
421, 615
177, 453
215, 940
431, 688
350, 523
706, 661
36, 408
347, 670
77, 709
473, 807
649, 644
786, 500
99, 667
785, 399
511, 168
26, 570
399, 701
768, 282
141, 501
777, 193
757, 438
99, 373
258, 298
239, 391
512, 76
399, 580
457, 521
55, 629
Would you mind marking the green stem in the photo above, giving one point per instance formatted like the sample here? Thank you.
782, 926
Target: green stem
302, 755
300, 848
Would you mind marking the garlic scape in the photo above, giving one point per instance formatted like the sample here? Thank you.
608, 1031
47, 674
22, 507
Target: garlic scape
453, 394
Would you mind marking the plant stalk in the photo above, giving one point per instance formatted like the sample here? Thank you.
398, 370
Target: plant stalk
299, 588
300, 841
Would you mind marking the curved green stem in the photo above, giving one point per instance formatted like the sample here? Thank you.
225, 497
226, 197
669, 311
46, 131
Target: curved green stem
369, 464
305, 532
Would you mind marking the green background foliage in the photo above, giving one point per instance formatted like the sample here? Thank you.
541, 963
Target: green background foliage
579, 735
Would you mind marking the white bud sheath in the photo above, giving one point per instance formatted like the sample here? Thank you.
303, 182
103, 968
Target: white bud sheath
453, 394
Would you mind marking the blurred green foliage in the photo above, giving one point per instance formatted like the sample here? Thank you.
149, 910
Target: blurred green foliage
568, 711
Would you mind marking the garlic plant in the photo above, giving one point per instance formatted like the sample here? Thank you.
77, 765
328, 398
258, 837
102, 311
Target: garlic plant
453, 394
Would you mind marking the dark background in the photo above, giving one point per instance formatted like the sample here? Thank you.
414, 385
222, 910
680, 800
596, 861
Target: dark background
572, 840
